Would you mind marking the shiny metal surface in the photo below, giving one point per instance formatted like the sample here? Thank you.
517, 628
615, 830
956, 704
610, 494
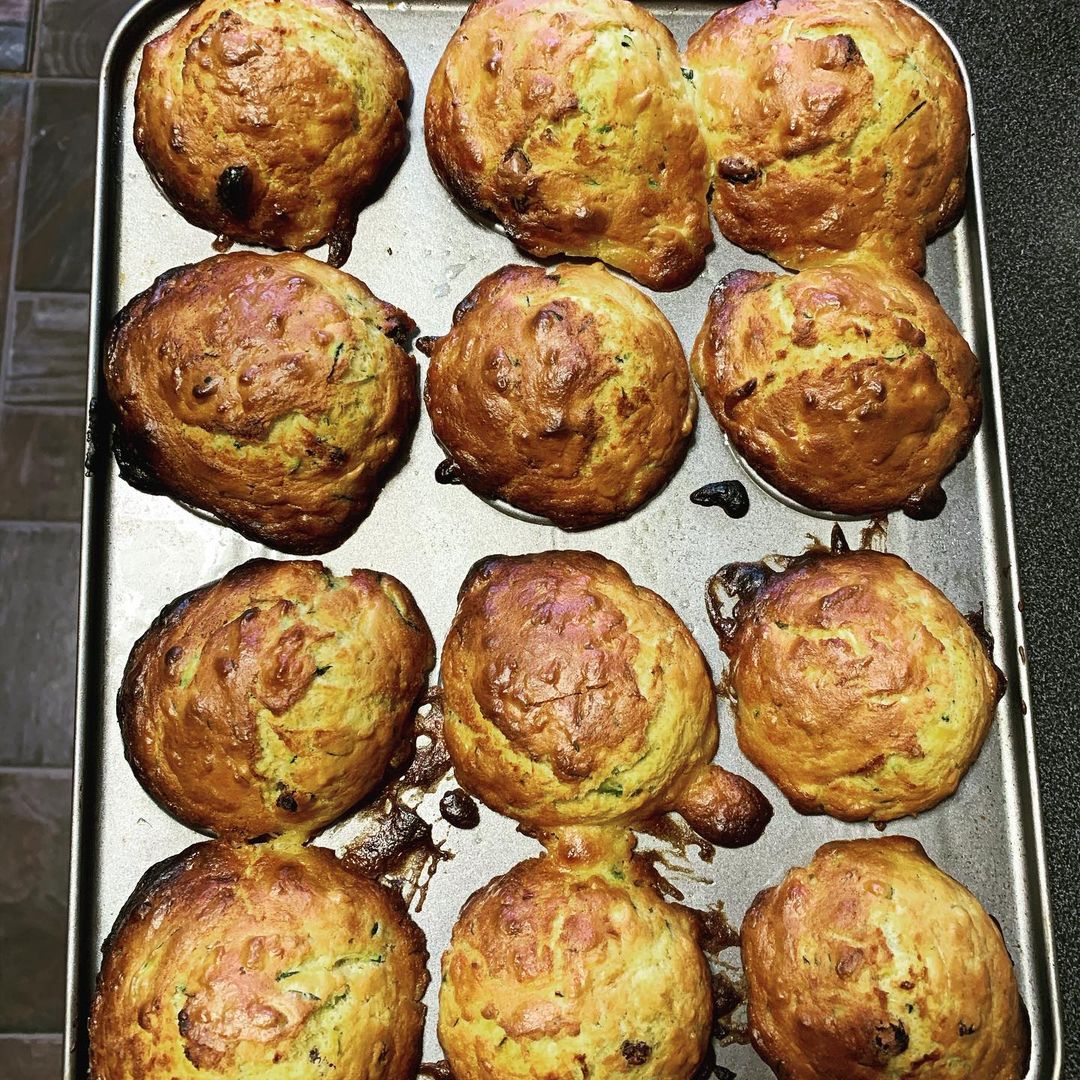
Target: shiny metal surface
416, 249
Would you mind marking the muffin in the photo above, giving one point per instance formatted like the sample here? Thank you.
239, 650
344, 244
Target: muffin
858, 688
272, 124
270, 390
871, 962
564, 392
574, 969
573, 696
571, 123
259, 960
273, 700
847, 387
831, 127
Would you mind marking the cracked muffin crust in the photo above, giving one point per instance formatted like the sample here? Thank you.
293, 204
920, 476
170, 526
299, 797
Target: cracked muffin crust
268, 960
270, 390
572, 124
831, 127
273, 700
573, 696
565, 969
564, 392
858, 687
873, 964
272, 123
846, 386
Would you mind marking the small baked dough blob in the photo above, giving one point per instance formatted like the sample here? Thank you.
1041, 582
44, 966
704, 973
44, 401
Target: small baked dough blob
574, 970
846, 386
273, 700
570, 122
268, 960
270, 390
831, 126
872, 963
859, 689
564, 392
272, 123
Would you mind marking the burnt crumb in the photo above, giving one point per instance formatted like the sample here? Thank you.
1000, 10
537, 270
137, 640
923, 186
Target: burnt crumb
436, 1070
287, 801
729, 495
183, 1022
838, 543
636, 1053
98, 436
966, 1029
926, 503
709, 1070
448, 472
427, 344
459, 809
891, 1040
313, 1055
235, 188
737, 170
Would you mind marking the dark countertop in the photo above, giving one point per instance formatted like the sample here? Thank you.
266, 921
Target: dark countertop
1024, 62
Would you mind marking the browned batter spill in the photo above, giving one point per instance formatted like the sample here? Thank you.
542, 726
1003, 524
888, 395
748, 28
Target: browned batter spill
717, 933
729, 993
877, 530
399, 848
674, 832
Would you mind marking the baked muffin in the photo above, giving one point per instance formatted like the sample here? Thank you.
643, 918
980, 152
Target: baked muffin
571, 123
572, 970
859, 689
272, 123
270, 390
871, 962
831, 127
847, 387
573, 696
273, 700
259, 960
564, 392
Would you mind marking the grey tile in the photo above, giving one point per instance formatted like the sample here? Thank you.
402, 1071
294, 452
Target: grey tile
58, 201
39, 565
31, 1057
72, 35
41, 462
12, 128
47, 356
35, 807
15, 16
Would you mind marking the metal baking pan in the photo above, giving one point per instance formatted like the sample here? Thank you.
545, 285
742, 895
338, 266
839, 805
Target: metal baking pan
416, 249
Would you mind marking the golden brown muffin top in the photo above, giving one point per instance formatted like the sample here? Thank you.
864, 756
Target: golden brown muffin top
272, 961
561, 971
571, 123
847, 386
268, 389
859, 689
563, 391
574, 696
272, 700
831, 126
872, 963
272, 123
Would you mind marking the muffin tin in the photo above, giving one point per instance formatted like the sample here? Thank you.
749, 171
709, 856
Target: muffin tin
417, 250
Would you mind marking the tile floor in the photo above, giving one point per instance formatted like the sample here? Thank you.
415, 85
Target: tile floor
50, 52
